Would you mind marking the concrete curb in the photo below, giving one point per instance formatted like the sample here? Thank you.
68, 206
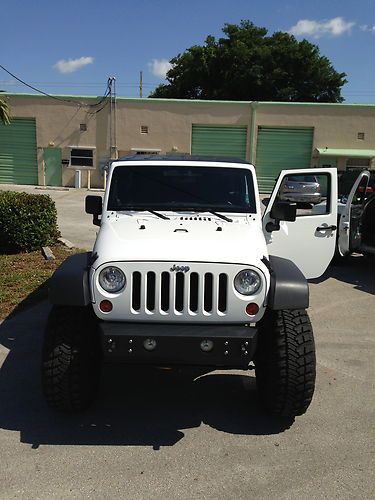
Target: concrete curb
66, 242
47, 253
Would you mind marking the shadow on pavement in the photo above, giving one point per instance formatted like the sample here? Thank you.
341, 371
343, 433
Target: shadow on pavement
358, 271
136, 406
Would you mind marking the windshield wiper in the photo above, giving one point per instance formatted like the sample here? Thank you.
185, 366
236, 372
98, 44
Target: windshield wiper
137, 209
162, 216
224, 217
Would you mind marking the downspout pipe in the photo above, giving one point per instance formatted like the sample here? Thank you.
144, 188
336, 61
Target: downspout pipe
253, 125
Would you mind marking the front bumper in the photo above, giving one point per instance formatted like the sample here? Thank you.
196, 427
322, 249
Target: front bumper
233, 346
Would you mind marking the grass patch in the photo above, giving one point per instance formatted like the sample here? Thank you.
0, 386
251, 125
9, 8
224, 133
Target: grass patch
24, 278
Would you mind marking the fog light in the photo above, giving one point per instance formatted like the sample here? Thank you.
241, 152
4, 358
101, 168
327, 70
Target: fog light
149, 344
106, 306
252, 309
207, 345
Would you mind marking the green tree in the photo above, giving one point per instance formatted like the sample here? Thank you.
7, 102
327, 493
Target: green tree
247, 64
4, 112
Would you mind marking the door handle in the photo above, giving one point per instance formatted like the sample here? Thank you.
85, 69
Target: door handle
326, 228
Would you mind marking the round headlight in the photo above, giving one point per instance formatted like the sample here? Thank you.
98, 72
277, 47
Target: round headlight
247, 282
112, 279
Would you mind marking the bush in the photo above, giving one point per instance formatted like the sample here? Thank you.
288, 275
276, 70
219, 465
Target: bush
27, 221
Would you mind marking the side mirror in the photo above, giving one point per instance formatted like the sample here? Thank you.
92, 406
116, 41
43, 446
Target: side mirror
281, 210
94, 205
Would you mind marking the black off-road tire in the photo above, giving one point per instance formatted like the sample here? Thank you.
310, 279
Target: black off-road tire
71, 359
285, 363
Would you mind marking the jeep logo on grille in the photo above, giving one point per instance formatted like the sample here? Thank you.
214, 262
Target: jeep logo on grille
182, 269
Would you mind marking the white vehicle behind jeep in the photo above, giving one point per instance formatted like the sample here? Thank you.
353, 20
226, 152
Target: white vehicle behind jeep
186, 271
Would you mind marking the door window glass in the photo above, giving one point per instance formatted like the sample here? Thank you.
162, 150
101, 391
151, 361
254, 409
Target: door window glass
308, 191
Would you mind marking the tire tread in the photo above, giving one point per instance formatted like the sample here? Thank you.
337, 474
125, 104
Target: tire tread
70, 359
286, 363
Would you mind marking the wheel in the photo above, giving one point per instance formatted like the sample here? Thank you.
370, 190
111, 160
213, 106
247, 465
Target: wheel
71, 359
285, 363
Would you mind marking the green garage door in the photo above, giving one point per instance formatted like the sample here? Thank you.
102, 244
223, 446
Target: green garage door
219, 140
281, 148
18, 159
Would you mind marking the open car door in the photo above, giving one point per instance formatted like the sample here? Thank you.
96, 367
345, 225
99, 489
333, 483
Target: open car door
349, 239
309, 240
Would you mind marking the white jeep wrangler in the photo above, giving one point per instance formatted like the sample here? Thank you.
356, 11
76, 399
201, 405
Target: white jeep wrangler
186, 271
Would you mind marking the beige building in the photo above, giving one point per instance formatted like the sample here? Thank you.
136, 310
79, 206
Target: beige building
51, 139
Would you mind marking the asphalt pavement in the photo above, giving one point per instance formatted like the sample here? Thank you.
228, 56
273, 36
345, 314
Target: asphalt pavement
156, 434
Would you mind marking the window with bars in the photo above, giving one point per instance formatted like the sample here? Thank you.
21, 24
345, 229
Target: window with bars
81, 157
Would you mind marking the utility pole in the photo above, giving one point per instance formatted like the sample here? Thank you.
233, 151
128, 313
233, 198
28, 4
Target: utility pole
115, 152
141, 84
112, 118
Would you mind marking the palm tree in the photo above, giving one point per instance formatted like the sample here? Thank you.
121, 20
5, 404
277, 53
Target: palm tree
4, 112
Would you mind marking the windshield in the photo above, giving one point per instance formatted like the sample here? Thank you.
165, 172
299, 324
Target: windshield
162, 187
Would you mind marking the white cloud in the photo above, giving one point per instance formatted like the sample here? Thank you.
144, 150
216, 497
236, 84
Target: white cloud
334, 27
159, 67
71, 65
367, 28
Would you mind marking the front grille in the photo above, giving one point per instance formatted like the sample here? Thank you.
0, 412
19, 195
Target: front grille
179, 293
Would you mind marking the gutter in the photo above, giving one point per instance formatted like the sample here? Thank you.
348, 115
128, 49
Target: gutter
194, 101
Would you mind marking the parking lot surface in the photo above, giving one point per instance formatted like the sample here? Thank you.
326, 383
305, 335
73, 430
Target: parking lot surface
190, 434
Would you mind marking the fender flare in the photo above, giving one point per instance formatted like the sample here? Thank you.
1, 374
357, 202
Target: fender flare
289, 288
69, 285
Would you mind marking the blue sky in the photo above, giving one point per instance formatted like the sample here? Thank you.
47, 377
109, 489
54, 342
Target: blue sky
72, 47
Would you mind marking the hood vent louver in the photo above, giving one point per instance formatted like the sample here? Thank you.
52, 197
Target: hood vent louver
194, 217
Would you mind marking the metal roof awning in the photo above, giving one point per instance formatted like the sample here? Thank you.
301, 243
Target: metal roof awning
349, 153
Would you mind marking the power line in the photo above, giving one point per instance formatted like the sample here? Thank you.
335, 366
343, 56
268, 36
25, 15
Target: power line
80, 104
37, 90
80, 84
98, 110
136, 85
110, 83
106, 94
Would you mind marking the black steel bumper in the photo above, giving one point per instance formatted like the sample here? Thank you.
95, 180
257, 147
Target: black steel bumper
233, 346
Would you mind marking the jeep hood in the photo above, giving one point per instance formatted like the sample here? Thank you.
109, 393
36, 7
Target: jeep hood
181, 239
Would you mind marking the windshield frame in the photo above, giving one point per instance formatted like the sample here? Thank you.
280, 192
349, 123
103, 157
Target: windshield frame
200, 205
